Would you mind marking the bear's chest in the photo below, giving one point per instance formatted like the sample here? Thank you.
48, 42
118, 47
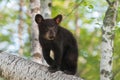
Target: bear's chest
51, 44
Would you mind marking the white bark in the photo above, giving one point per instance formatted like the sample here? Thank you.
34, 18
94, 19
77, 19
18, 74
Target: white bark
107, 41
36, 46
46, 8
15, 68
38, 7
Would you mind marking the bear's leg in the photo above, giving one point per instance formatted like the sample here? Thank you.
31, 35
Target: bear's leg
69, 63
52, 64
58, 57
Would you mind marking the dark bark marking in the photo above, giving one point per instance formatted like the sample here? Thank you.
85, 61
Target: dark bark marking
105, 73
32, 1
12, 60
110, 62
105, 51
50, 4
24, 77
104, 40
36, 55
112, 36
16, 62
109, 16
110, 3
28, 69
103, 31
102, 71
36, 39
109, 33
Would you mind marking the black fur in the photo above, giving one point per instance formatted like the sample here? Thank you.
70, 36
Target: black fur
60, 41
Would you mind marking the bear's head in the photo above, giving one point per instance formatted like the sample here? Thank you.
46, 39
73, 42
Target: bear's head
48, 27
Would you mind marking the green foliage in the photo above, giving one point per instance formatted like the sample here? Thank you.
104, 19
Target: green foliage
118, 15
1, 79
90, 6
116, 58
89, 54
90, 15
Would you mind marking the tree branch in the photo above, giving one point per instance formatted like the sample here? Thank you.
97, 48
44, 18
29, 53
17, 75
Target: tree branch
110, 3
107, 46
15, 68
75, 7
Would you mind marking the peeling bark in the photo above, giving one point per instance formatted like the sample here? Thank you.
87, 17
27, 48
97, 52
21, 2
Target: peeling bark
108, 40
15, 68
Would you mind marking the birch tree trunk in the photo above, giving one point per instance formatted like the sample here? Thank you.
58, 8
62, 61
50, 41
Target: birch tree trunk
20, 27
46, 13
38, 7
108, 40
15, 68
46, 8
36, 46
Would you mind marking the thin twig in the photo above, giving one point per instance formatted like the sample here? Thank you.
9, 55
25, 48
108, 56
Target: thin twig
75, 7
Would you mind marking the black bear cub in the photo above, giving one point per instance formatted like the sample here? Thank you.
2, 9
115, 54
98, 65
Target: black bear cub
56, 38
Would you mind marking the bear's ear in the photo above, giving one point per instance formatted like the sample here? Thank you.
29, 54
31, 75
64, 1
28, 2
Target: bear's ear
38, 18
58, 18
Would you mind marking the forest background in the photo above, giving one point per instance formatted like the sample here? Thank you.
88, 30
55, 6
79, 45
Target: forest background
84, 18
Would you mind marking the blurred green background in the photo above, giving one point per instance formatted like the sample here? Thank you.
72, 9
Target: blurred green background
88, 15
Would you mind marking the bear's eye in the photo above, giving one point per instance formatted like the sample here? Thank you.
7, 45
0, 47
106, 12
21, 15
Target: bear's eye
52, 27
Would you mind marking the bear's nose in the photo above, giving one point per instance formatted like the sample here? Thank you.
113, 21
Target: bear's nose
51, 37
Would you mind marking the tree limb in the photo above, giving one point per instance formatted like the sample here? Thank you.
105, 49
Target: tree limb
13, 67
107, 45
110, 3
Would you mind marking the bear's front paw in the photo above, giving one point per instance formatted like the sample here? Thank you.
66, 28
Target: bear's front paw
69, 72
53, 69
